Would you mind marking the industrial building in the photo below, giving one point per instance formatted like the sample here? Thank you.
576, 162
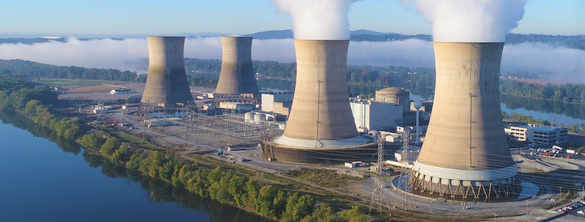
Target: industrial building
321, 128
397, 96
277, 102
466, 154
538, 134
236, 80
372, 115
121, 91
166, 83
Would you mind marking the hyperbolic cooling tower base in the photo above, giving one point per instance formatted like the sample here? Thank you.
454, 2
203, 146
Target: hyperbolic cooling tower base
493, 191
321, 155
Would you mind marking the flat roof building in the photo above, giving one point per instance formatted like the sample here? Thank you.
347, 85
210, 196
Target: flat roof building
538, 134
372, 115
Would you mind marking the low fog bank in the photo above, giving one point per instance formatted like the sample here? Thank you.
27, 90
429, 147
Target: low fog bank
124, 54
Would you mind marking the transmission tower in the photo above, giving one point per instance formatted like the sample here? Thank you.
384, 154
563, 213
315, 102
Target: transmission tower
404, 178
378, 183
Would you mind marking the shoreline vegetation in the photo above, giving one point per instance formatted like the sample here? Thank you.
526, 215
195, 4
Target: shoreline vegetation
268, 199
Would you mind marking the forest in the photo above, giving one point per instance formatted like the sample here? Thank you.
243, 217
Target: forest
568, 93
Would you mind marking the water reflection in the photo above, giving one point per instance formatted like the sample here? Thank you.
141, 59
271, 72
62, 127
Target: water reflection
155, 190
542, 109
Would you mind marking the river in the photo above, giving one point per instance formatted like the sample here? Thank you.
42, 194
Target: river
44, 181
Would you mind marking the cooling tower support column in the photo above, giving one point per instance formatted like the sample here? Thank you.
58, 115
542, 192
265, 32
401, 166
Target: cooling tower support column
320, 108
466, 152
166, 82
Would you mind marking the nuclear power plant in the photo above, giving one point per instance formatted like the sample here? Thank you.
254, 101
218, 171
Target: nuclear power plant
466, 152
320, 128
236, 80
166, 83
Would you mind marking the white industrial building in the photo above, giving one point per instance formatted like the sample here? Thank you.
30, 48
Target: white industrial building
121, 91
538, 134
372, 115
277, 102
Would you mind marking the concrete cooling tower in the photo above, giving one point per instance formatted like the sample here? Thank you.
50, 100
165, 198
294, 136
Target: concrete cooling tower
466, 153
237, 75
320, 128
166, 83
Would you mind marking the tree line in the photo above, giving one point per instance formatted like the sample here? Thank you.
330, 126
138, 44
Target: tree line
29, 69
268, 200
568, 93
35, 103
217, 184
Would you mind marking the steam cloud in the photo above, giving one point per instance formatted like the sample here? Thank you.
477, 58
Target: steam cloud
471, 20
561, 62
317, 19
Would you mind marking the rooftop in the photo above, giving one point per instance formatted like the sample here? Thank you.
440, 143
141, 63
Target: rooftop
539, 127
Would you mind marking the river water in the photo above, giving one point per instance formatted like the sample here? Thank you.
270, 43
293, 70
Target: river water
43, 181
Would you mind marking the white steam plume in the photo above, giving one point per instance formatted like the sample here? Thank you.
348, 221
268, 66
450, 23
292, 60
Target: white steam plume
317, 19
471, 20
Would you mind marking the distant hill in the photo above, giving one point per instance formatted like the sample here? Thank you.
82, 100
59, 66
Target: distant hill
288, 34
272, 34
370, 32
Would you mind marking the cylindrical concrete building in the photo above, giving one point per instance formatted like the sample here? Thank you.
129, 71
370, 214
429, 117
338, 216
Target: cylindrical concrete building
237, 75
466, 150
398, 96
321, 128
166, 83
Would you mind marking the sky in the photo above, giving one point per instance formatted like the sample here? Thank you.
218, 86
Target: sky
167, 17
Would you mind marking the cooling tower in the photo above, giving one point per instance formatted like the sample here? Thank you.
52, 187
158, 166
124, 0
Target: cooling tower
320, 128
166, 82
237, 74
466, 150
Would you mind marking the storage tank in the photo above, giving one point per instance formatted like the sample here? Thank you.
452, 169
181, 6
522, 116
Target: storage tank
249, 117
259, 118
398, 96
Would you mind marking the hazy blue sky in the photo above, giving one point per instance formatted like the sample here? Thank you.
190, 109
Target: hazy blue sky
563, 17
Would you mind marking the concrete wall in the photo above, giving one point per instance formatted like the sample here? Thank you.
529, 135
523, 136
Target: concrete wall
320, 109
465, 131
166, 82
237, 75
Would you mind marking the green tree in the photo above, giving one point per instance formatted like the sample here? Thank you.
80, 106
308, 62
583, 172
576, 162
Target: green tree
251, 192
353, 215
236, 188
265, 202
322, 213
109, 147
92, 141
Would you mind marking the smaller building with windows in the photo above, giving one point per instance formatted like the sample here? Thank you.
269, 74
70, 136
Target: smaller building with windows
538, 134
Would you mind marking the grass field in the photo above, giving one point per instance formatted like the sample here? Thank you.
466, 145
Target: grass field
326, 178
72, 82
